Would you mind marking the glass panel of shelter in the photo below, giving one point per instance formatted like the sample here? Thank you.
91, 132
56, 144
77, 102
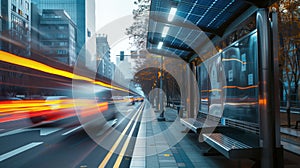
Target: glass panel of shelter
239, 63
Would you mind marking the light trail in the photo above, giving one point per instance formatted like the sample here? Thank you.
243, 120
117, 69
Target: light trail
16, 60
21, 109
231, 87
233, 59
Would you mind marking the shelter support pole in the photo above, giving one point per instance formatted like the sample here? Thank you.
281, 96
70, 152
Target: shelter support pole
268, 87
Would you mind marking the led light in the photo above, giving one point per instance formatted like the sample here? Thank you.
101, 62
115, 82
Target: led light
172, 14
160, 44
165, 31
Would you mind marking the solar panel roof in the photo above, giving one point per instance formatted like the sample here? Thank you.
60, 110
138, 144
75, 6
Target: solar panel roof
195, 22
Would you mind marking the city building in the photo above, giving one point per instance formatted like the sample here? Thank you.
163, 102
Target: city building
105, 66
1, 17
35, 20
127, 67
15, 26
82, 12
14, 38
57, 36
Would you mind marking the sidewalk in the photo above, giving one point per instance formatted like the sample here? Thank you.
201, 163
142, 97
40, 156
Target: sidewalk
157, 147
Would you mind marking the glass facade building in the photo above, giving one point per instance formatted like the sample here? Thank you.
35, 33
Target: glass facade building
82, 12
15, 25
105, 67
57, 37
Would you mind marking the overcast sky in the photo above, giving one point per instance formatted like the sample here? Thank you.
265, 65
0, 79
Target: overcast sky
108, 15
108, 11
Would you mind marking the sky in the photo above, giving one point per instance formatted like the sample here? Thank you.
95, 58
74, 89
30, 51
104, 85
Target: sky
108, 11
112, 19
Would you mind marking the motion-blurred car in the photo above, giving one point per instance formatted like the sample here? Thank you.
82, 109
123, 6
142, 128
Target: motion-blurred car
130, 99
52, 108
138, 99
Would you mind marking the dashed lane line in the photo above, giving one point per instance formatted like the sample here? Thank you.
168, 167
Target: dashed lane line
19, 150
72, 130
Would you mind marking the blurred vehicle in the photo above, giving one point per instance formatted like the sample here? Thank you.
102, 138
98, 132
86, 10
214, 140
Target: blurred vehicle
52, 108
130, 99
138, 99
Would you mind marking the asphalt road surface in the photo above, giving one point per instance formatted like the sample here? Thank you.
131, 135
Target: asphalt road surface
65, 143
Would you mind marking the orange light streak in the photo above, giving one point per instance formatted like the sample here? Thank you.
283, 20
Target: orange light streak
231, 87
240, 87
53, 109
234, 59
13, 59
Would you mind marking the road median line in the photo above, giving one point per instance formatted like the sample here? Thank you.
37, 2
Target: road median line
125, 146
114, 147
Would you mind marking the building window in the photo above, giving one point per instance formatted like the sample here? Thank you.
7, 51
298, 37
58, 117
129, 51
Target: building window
89, 34
61, 27
61, 36
47, 43
14, 8
23, 24
20, 12
26, 5
51, 16
61, 52
63, 43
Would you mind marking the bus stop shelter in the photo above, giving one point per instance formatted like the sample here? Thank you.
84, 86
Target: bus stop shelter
188, 29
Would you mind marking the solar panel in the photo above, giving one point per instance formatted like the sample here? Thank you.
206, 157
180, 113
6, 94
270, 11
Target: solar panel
211, 16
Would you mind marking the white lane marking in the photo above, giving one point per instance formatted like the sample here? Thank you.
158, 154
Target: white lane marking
47, 131
19, 150
72, 130
12, 132
108, 125
43, 131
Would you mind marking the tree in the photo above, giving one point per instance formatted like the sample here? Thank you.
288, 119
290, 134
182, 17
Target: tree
289, 51
148, 77
138, 30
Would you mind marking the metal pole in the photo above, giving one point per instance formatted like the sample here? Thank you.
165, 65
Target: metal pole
276, 101
267, 91
192, 91
188, 91
161, 96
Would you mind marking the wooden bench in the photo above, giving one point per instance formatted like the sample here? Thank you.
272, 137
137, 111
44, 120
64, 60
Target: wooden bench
203, 120
237, 140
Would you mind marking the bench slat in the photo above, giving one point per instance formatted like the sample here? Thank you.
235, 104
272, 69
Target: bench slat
230, 147
197, 124
225, 141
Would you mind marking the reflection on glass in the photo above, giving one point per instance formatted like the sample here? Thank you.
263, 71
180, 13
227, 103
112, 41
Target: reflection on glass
238, 63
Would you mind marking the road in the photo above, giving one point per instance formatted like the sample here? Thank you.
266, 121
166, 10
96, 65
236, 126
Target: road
65, 143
